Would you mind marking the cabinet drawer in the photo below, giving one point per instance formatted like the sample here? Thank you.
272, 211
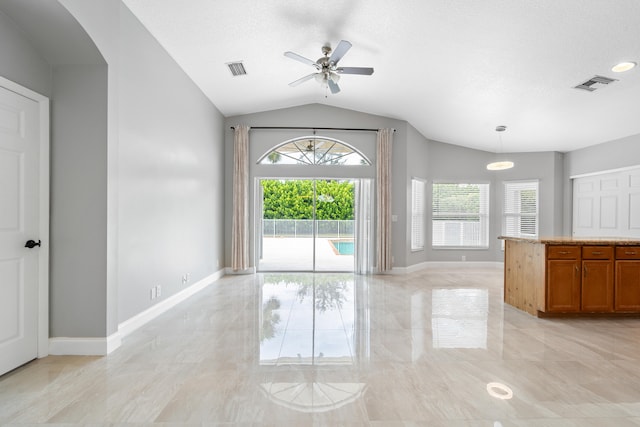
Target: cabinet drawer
563, 252
597, 252
627, 252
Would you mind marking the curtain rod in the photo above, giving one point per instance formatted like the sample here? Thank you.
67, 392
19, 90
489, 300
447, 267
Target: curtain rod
311, 128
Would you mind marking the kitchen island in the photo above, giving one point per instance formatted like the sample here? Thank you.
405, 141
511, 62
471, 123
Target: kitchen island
563, 276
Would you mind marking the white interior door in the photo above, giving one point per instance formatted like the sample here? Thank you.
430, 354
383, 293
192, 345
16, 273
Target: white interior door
19, 223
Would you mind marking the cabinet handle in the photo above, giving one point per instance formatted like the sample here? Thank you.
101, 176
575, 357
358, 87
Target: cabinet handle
577, 269
585, 271
596, 253
564, 252
629, 253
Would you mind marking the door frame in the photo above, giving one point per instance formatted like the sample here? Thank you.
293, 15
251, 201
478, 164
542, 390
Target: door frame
43, 251
258, 226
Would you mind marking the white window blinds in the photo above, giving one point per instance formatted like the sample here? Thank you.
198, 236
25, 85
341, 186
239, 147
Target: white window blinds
417, 214
520, 213
460, 215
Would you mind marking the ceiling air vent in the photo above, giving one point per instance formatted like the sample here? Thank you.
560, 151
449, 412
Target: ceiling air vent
594, 83
236, 68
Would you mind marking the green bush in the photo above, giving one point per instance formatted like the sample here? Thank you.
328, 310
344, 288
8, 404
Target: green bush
293, 199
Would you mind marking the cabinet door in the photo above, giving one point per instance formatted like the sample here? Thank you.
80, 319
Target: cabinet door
597, 286
563, 285
627, 296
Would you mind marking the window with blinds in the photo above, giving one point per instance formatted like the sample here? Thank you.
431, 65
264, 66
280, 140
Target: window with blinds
520, 212
417, 214
460, 217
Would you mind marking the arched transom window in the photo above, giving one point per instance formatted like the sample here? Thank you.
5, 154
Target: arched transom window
313, 150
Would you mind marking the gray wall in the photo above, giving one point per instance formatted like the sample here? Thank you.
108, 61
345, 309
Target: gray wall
313, 115
621, 153
26, 65
452, 163
136, 160
78, 201
100, 19
166, 164
413, 156
416, 160
171, 155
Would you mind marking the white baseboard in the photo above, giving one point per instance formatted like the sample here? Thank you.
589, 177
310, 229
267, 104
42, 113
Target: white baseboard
86, 346
141, 319
67, 346
446, 264
230, 271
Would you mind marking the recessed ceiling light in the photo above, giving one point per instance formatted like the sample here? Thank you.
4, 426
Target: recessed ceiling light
623, 66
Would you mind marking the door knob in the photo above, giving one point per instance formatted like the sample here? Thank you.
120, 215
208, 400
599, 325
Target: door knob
32, 244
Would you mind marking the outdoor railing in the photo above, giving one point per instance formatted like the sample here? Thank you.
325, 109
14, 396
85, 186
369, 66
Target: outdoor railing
304, 228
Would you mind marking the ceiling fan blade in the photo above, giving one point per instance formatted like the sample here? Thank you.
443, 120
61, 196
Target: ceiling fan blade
339, 51
333, 87
300, 58
364, 71
302, 80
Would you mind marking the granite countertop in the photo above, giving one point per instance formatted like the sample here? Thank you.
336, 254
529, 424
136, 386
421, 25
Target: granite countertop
568, 240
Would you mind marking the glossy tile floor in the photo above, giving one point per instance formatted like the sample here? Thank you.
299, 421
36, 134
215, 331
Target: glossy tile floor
433, 348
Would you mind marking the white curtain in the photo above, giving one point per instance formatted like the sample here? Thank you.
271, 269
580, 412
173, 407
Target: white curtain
363, 250
383, 200
240, 221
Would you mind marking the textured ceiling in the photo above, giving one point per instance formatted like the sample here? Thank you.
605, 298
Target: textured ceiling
454, 69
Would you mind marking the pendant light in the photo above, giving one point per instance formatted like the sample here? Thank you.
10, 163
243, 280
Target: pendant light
623, 66
500, 165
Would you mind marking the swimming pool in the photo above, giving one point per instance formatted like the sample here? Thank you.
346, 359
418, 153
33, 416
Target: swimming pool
342, 247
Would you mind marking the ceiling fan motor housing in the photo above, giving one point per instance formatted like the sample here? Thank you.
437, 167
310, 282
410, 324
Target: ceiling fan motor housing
324, 63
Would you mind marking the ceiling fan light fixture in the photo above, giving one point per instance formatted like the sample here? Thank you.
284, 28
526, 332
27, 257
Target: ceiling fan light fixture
327, 70
623, 66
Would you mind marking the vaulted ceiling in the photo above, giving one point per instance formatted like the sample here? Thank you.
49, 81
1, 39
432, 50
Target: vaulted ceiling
454, 69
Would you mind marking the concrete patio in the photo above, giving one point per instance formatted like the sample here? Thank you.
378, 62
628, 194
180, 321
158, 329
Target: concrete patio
296, 254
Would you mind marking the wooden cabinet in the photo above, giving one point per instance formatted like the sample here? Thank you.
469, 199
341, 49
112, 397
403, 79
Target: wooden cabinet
563, 279
597, 279
627, 279
561, 276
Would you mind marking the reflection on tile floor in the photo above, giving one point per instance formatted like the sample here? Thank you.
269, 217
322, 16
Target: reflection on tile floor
433, 348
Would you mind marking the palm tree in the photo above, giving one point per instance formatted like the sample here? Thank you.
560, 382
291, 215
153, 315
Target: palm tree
274, 157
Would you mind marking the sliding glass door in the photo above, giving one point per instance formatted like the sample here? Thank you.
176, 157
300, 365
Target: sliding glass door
334, 225
306, 225
286, 233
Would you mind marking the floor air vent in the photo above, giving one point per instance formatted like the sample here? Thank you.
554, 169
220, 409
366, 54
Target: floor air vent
594, 83
236, 68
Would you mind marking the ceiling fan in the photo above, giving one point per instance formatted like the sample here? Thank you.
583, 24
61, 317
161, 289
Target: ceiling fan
327, 70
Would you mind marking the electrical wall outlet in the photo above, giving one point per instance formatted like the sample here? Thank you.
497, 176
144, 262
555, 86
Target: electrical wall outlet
464, 258
186, 278
156, 292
